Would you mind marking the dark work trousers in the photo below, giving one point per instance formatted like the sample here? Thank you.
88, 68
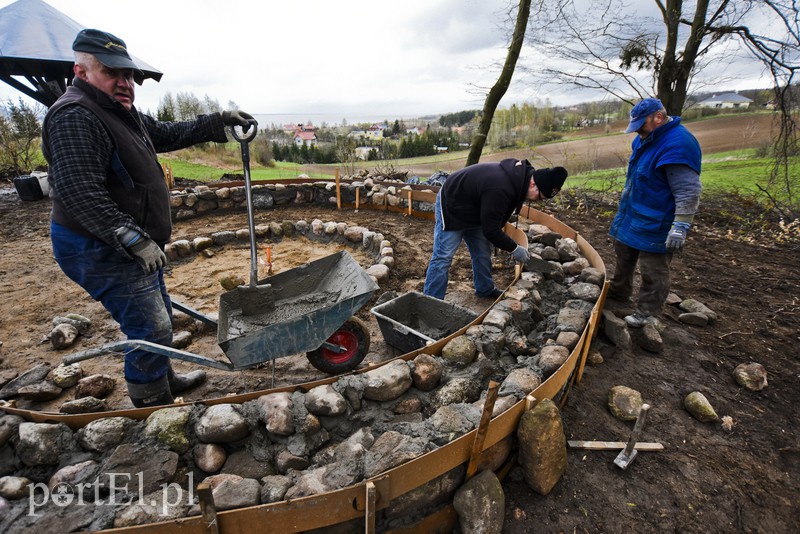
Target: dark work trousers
654, 268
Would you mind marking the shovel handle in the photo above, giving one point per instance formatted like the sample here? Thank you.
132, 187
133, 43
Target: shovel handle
247, 135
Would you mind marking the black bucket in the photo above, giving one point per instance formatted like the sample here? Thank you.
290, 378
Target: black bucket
28, 188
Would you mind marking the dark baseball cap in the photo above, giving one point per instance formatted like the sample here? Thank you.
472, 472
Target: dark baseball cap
109, 49
641, 111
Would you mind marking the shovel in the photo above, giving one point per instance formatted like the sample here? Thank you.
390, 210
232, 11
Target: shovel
253, 298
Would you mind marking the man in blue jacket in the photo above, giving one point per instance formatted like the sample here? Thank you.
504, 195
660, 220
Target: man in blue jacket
111, 215
661, 196
474, 205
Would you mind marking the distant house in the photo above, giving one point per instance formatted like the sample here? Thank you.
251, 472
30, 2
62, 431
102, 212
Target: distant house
305, 137
726, 101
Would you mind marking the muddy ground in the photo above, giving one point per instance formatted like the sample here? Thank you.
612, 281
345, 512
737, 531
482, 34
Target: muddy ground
705, 479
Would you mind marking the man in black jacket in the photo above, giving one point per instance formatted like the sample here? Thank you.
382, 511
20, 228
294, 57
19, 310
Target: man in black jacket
111, 215
474, 205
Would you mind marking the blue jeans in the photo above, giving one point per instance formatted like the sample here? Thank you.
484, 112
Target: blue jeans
137, 301
445, 245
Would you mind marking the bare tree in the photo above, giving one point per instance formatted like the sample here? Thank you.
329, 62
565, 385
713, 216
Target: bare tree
630, 52
620, 47
501, 86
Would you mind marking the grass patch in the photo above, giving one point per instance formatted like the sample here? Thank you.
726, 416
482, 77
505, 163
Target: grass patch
207, 173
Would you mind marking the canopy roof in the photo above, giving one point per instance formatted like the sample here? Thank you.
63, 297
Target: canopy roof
36, 46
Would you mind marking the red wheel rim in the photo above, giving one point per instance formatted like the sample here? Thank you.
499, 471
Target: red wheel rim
345, 339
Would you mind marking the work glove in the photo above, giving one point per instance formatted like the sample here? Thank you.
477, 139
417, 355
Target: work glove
148, 254
236, 117
676, 237
521, 254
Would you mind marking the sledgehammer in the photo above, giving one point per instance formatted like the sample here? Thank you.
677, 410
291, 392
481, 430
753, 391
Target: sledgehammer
626, 456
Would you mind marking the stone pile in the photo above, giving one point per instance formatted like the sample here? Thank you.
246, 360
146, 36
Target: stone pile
190, 202
288, 445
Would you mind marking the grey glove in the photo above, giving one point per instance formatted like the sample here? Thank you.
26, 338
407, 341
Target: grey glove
148, 255
236, 117
676, 237
521, 254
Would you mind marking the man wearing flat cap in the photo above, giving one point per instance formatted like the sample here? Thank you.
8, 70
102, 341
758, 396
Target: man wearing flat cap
658, 203
474, 205
111, 211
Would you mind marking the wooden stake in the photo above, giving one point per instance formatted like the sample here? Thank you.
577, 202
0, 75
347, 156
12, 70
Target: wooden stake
338, 191
530, 402
358, 196
207, 508
369, 518
409, 202
483, 428
613, 445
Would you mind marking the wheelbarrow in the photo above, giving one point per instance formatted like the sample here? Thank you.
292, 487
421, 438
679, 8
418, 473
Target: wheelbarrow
306, 309
312, 313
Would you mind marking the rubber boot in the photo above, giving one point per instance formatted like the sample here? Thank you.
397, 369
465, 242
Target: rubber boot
156, 393
179, 383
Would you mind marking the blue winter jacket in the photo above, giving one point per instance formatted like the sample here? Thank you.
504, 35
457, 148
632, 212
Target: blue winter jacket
647, 206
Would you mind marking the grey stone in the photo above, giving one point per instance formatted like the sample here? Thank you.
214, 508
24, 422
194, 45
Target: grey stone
520, 382
286, 461
275, 409
30, 376
81, 323
694, 318
551, 357
39, 392
73, 474
209, 457
104, 434
390, 450
542, 446
388, 381
221, 423
133, 464
166, 504
616, 330
584, 291
9, 424
480, 504
43, 443
698, 406
66, 376
433, 493
97, 386
63, 336
457, 390
325, 400
168, 426
454, 420
232, 494
624, 403
693, 306
427, 372
459, 351
274, 487
14, 488
752, 376
243, 463
648, 338
84, 405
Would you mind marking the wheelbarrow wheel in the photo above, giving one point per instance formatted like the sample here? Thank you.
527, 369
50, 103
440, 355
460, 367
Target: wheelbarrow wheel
353, 335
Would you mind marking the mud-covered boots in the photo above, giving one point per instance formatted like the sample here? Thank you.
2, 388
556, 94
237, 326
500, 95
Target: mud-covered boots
179, 383
156, 393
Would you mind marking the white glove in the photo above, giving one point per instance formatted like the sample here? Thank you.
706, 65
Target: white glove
521, 255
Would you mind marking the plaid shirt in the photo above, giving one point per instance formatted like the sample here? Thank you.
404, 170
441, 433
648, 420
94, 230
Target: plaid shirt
81, 154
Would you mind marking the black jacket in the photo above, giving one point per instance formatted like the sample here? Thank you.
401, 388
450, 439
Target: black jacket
485, 195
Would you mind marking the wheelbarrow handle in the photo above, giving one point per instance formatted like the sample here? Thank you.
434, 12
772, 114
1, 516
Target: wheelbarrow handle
247, 135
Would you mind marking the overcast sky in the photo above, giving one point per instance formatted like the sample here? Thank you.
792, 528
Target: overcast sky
350, 57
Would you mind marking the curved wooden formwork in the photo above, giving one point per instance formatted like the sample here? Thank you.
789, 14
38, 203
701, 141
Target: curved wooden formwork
360, 502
